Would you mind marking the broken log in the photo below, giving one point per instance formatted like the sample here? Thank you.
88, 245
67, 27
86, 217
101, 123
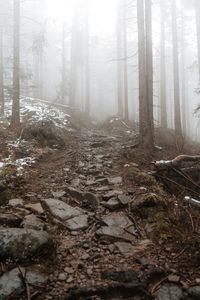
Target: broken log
177, 162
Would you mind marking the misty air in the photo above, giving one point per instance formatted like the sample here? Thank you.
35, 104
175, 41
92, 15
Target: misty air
99, 149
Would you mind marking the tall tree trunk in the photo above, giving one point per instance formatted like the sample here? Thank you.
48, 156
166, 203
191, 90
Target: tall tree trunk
183, 79
73, 61
63, 84
87, 64
126, 115
119, 57
163, 101
149, 73
197, 3
177, 111
145, 62
142, 69
15, 119
1, 73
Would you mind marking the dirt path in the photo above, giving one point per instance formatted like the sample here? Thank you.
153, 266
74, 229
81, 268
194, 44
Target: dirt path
114, 247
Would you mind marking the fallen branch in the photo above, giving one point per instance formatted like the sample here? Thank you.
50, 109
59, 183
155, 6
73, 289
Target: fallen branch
176, 162
25, 282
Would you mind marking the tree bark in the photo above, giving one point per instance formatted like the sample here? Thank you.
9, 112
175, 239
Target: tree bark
197, 4
15, 119
87, 65
126, 114
1, 73
177, 110
64, 79
163, 102
149, 74
119, 62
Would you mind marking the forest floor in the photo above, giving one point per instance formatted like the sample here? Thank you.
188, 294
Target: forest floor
117, 234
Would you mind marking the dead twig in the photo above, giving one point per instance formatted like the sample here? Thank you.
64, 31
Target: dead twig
156, 286
25, 282
180, 253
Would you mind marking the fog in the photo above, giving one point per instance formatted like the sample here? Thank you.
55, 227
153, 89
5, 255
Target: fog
84, 54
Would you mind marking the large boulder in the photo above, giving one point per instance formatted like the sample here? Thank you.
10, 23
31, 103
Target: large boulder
24, 244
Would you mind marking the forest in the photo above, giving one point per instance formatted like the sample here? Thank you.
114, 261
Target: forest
100, 149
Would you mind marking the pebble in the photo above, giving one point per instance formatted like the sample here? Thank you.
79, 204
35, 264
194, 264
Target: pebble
174, 278
70, 279
69, 270
62, 277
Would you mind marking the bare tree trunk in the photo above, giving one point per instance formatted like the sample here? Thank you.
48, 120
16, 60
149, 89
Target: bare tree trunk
163, 101
15, 119
1, 73
197, 3
87, 65
149, 73
119, 62
126, 115
63, 87
177, 111
142, 70
184, 116
73, 62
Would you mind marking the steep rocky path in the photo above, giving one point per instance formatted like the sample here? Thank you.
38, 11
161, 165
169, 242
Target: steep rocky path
103, 248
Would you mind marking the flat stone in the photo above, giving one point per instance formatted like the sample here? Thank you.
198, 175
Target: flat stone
32, 222
77, 223
61, 210
194, 292
23, 244
37, 207
62, 277
103, 189
111, 194
117, 220
115, 180
69, 270
59, 194
169, 292
15, 202
89, 199
125, 249
10, 220
173, 278
112, 204
124, 200
11, 283
114, 233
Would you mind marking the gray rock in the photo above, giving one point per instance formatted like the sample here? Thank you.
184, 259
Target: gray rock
77, 223
115, 180
88, 199
120, 221
62, 277
61, 210
32, 222
144, 200
124, 200
112, 204
35, 207
194, 291
15, 202
125, 249
59, 194
11, 281
23, 244
111, 194
114, 233
10, 220
169, 292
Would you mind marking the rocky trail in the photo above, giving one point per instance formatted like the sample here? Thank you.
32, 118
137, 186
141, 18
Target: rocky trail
85, 237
